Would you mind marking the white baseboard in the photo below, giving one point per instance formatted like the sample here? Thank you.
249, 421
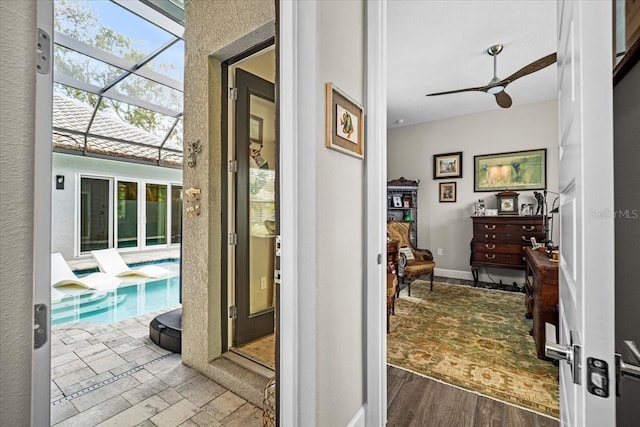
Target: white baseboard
358, 419
507, 276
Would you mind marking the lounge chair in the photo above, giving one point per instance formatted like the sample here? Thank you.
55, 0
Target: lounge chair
110, 262
61, 275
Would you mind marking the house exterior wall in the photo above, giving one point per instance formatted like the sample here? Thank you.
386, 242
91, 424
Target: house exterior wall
65, 202
17, 110
447, 225
211, 26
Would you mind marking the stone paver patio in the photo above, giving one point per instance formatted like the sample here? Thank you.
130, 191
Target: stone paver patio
114, 375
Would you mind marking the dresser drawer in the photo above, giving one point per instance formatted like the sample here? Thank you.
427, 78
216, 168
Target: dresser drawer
507, 237
498, 258
511, 228
498, 248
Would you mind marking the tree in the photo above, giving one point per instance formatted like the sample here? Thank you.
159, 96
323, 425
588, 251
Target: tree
80, 21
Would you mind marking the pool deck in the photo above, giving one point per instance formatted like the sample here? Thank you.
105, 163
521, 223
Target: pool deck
114, 375
88, 263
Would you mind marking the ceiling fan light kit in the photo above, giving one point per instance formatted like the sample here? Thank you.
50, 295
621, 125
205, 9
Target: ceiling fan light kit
497, 86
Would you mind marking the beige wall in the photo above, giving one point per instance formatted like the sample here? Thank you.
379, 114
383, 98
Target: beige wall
17, 111
447, 225
210, 26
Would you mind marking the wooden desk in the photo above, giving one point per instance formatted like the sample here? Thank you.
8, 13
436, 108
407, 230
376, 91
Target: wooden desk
541, 300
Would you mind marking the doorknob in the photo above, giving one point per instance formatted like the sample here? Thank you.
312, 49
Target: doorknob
631, 369
569, 353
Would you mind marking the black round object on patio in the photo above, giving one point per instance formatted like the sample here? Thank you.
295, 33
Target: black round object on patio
165, 330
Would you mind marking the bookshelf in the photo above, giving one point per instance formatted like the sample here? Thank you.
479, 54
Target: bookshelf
402, 204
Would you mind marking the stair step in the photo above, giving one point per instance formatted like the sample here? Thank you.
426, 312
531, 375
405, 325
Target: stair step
241, 376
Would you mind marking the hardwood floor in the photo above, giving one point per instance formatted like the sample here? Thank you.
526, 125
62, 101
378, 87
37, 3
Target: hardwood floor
414, 400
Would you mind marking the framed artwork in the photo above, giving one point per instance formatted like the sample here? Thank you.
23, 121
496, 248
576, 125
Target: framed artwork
345, 123
255, 129
397, 202
447, 165
447, 192
517, 170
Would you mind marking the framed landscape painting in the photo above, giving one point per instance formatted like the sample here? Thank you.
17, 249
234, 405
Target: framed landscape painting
517, 170
447, 165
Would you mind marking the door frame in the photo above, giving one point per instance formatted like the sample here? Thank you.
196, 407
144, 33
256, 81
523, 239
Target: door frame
42, 189
225, 180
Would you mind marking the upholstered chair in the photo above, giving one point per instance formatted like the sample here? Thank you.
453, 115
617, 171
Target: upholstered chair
423, 259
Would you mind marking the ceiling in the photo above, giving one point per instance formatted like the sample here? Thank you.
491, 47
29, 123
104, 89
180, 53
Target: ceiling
436, 46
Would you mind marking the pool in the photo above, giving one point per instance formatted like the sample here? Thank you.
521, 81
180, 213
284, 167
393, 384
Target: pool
134, 297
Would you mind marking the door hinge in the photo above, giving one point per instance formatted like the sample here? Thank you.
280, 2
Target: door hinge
276, 276
233, 93
233, 166
278, 245
233, 312
43, 52
39, 325
233, 238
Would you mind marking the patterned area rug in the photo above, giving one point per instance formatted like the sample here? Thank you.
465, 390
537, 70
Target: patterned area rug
473, 338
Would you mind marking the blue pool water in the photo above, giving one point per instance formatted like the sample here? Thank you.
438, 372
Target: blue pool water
134, 297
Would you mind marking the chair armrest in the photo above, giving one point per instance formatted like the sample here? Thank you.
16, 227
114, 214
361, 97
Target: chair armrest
423, 254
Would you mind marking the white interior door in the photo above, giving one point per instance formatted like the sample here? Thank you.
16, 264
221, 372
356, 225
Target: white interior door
41, 375
586, 213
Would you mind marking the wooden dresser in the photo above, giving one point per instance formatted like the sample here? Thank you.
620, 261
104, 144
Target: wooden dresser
541, 298
499, 241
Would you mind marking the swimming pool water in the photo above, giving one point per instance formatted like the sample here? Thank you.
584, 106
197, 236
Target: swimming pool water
134, 297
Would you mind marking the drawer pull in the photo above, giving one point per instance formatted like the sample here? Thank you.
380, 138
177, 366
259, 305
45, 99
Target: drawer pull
487, 236
490, 227
525, 238
525, 228
490, 246
490, 256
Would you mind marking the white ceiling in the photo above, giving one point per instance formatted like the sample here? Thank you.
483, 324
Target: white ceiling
436, 46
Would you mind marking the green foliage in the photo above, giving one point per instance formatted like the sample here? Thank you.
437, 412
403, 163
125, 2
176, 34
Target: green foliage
77, 20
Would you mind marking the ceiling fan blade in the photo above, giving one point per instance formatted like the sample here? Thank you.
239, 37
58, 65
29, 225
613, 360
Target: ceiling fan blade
470, 89
503, 99
533, 67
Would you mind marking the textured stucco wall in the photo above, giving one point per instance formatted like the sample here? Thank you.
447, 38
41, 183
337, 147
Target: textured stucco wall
210, 27
17, 109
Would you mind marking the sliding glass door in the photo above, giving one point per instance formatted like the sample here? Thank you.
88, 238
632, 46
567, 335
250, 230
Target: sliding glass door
95, 214
127, 214
156, 211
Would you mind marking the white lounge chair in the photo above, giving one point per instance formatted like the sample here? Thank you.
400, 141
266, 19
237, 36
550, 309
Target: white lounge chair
61, 275
110, 262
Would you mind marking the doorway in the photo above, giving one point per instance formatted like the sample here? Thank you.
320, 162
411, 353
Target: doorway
252, 224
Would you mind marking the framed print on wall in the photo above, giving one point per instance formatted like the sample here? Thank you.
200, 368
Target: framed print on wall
447, 192
447, 165
517, 170
345, 123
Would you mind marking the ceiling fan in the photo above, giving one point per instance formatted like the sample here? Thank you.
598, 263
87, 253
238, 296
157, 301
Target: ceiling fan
496, 87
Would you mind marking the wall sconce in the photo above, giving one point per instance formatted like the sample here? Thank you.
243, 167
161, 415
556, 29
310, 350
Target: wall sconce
59, 182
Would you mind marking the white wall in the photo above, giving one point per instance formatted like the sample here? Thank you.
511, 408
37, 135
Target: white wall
17, 110
447, 225
65, 202
340, 222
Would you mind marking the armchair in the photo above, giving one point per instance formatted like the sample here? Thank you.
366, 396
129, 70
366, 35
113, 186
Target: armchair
423, 259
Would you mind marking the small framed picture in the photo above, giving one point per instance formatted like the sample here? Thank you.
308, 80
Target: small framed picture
447, 165
447, 192
397, 202
345, 123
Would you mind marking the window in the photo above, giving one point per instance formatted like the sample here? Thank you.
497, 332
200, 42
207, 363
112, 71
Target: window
176, 214
127, 214
156, 210
95, 214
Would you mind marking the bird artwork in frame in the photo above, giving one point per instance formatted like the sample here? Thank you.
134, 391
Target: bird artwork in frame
345, 123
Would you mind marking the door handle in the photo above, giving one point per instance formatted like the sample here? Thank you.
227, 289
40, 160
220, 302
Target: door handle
631, 369
569, 353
